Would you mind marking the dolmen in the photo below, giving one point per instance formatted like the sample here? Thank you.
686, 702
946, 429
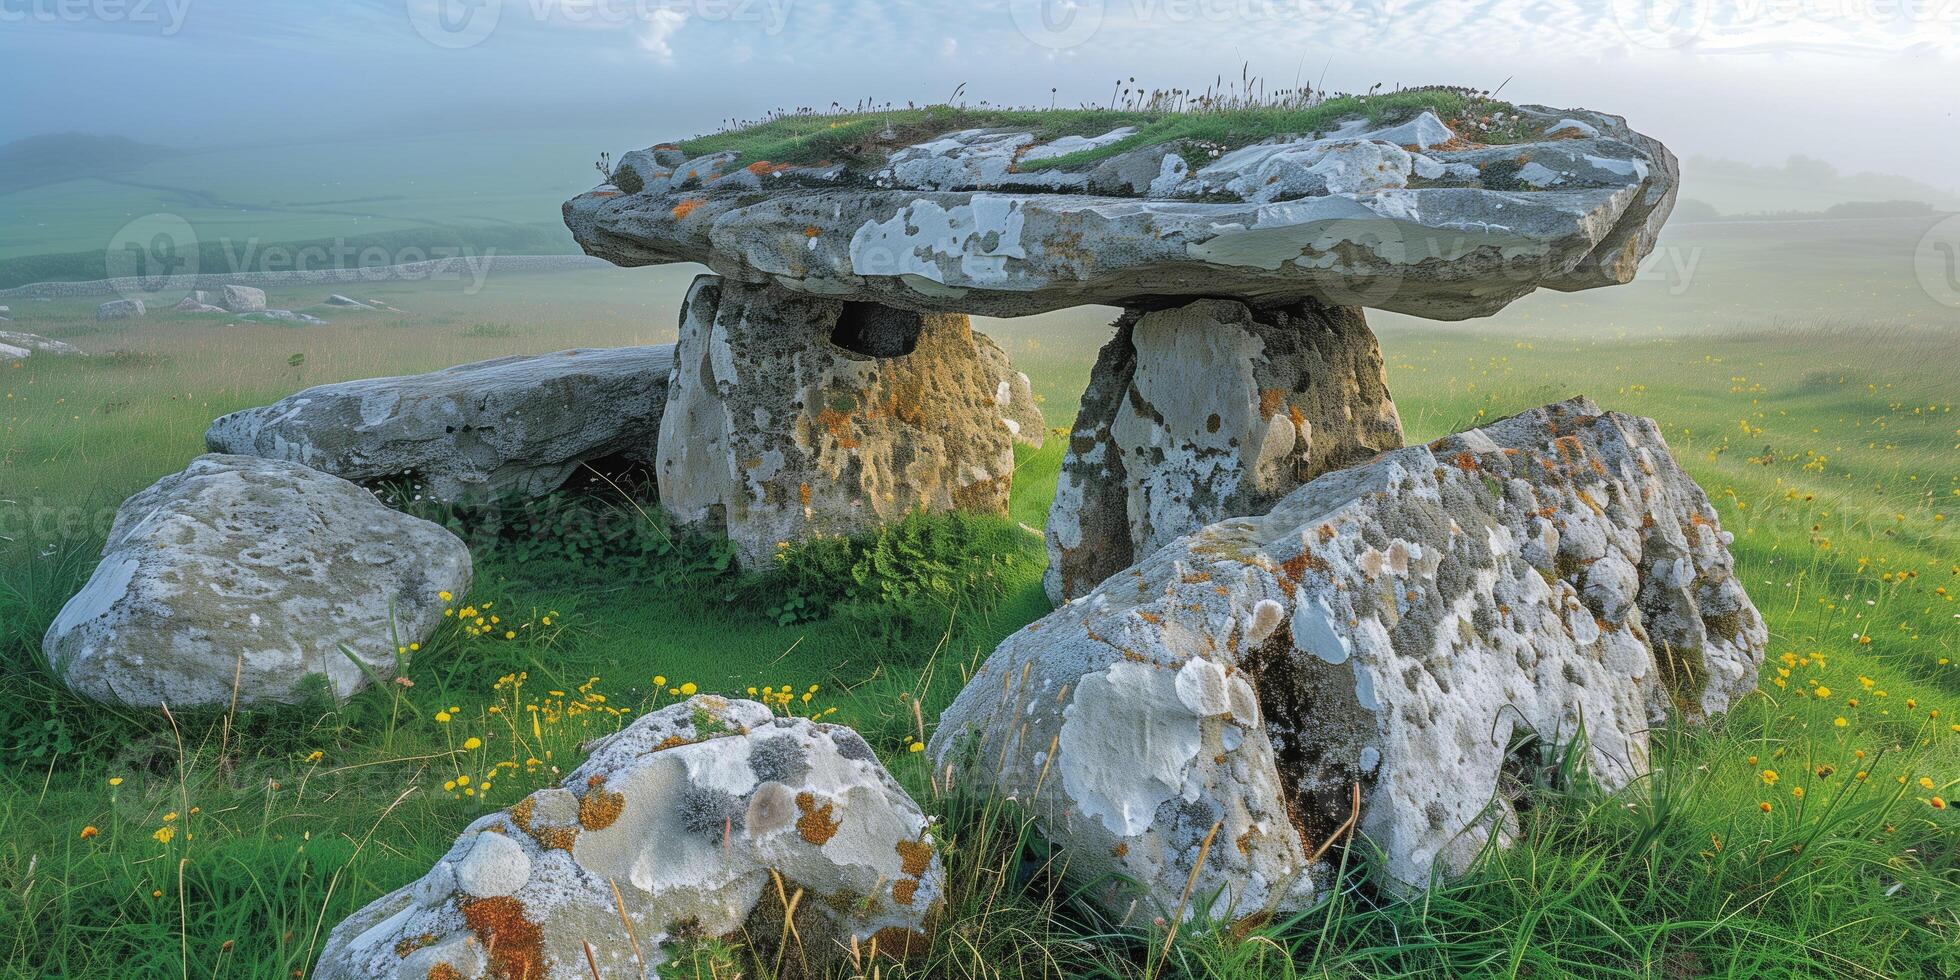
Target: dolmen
1241, 368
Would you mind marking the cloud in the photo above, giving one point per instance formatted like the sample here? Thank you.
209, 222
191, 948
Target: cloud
658, 29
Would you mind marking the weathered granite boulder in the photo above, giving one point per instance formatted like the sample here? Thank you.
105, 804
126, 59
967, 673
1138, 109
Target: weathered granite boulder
15, 346
1418, 217
694, 822
1207, 411
120, 309
794, 416
1013, 395
513, 426
241, 299
254, 572
1401, 631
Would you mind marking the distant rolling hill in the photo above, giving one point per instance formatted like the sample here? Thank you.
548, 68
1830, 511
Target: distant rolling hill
54, 157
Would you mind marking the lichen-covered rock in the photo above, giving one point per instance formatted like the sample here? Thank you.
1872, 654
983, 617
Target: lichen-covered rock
794, 416
1013, 395
692, 823
1208, 411
257, 572
514, 426
1414, 216
1400, 629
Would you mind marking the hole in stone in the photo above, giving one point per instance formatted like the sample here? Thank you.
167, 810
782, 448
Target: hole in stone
875, 330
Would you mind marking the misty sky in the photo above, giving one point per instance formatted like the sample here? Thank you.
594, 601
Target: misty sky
1865, 85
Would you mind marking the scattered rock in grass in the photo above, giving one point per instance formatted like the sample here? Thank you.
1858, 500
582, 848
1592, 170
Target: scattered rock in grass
287, 316
795, 416
260, 572
345, 302
241, 299
17, 346
695, 822
513, 426
196, 303
1409, 629
120, 309
1206, 411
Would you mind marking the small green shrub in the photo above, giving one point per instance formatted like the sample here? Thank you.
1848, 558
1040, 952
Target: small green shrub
912, 575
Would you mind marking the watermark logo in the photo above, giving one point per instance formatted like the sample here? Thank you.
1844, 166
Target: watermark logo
167, 16
455, 24
1057, 24
1936, 262
156, 253
1661, 23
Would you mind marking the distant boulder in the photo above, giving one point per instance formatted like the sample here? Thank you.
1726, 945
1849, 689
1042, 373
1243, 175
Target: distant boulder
194, 304
120, 309
242, 299
346, 302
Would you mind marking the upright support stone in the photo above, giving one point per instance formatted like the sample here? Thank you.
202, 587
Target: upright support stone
1208, 411
793, 416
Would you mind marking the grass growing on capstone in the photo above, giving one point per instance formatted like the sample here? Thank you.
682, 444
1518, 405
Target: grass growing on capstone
853, 136
1829, 454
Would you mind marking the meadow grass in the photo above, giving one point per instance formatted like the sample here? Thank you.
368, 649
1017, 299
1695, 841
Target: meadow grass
135, 844
810, 137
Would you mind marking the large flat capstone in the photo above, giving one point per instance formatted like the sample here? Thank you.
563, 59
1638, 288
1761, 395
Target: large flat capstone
1404, 631
1414, 216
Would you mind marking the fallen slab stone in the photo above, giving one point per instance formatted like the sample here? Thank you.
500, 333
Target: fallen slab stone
191, 304
1421, 216
1400, 632
1207, 411
513, 426
26, 344
252, 575
794, 416
347, 302
692, 823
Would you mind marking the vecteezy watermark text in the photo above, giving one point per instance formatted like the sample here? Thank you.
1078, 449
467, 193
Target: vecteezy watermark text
167, 15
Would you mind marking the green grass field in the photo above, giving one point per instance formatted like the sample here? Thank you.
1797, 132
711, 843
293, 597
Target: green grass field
1798, 838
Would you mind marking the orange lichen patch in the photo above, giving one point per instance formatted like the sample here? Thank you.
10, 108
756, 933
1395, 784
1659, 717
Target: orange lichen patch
413, 943
1297, 567
685, 208
599, 809
815, 824
515, 943
904, 890
914, 856
838, 426
671, 742
1467, 462
900, 943
1149, 617
1122, 849
520, 814
812, 231
1194, 578
443, 971
557, 838
1271, 400
763, 168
